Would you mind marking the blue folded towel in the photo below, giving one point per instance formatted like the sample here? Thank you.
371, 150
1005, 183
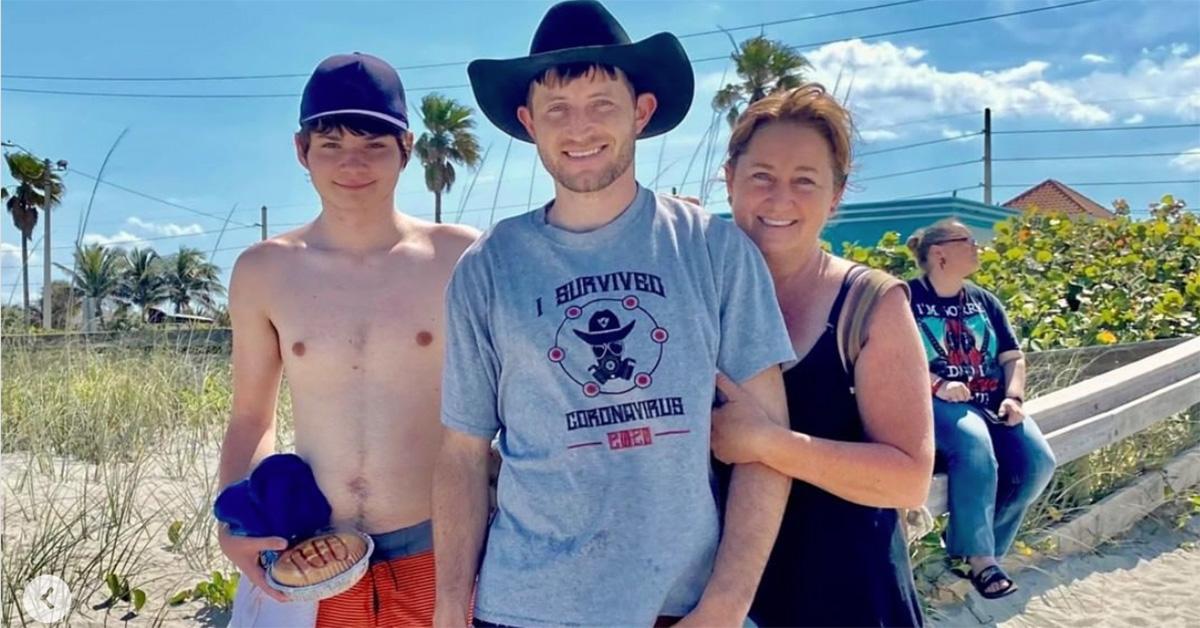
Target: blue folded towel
279, 498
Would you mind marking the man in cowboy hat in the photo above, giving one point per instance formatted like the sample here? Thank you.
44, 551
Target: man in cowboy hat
606, 513
349, 306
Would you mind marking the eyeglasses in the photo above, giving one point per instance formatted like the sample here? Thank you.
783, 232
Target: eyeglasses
969, 239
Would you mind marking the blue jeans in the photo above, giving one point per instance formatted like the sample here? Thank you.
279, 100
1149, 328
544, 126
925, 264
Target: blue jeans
995, 473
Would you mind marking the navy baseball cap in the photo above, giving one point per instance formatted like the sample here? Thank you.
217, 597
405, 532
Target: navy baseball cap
358, 84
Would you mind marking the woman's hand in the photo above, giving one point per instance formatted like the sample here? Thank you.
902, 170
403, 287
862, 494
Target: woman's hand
740, 426
1012, 412
955, 392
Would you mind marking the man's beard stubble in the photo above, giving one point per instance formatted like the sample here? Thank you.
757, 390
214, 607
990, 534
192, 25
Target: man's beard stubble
586, 183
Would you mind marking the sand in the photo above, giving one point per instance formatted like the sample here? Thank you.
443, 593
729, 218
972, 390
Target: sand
1148, 577
169, 488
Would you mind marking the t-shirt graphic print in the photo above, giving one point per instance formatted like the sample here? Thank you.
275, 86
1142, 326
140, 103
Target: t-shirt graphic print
964, 336
592, 357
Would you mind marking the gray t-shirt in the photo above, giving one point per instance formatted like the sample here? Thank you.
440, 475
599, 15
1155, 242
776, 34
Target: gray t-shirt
593, 355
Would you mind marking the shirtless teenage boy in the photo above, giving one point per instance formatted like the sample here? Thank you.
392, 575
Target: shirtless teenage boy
350, 307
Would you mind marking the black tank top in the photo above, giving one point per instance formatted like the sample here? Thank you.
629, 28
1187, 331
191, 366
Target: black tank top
835, 563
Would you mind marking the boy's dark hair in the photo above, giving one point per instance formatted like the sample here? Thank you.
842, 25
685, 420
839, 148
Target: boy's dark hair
568, 72
355, 124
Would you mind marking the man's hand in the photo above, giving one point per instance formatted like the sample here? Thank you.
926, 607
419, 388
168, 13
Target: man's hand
1012, 412
738, 425
243, 552
955, 392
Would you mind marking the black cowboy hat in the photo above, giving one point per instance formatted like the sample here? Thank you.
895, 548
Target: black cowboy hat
583, 31
602, 329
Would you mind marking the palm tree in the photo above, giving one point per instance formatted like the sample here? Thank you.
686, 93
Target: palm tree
764, 66
64, 305
191, 278
220, 315
97, 274
35, 190
143, 283
447, 141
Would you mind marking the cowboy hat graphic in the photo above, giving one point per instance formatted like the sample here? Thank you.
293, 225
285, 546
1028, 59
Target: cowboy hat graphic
618, 360
602, 329
605, 334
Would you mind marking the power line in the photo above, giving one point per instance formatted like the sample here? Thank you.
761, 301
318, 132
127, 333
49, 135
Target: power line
915, 145
471, 210
927, 27
159, 217
974, 20
63, 92
135, 240
919, 170
952, 116
159, 200
723, 57
1029, 185
1143, 127
147, 196
1073, 157
939, 192
799, 19
426, 66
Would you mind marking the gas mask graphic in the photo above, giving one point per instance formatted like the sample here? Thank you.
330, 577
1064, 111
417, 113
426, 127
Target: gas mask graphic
605, 335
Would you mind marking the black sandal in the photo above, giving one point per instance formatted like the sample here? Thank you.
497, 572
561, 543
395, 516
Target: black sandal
990, 576
958, 566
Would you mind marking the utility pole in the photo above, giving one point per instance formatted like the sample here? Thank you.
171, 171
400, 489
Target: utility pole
263, 222
47, 169
47, 306
987, 156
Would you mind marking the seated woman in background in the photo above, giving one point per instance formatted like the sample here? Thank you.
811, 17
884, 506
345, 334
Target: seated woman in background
997, 460
860, 443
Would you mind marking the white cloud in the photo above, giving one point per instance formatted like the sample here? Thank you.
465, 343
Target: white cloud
899, 83
1179, 49
1136, 118
167, 229
1092, 57
950, 134
120, 238
1155, 85
10, 256
893, 83
10, 260
878, 135
1189, 161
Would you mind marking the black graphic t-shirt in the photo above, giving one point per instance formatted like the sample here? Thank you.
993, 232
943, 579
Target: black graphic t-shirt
964, 336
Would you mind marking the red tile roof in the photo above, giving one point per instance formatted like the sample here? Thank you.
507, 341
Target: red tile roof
1053, 196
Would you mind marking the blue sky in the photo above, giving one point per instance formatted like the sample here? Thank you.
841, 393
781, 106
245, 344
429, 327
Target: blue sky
1113, 63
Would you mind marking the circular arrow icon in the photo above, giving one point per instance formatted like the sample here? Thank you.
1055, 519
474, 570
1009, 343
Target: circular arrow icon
47, 599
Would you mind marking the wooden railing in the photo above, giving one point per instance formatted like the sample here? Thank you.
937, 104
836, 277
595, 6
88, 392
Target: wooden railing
1104, 409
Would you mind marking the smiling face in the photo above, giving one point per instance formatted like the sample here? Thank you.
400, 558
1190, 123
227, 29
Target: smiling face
783, 187
353, 168
585, 127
